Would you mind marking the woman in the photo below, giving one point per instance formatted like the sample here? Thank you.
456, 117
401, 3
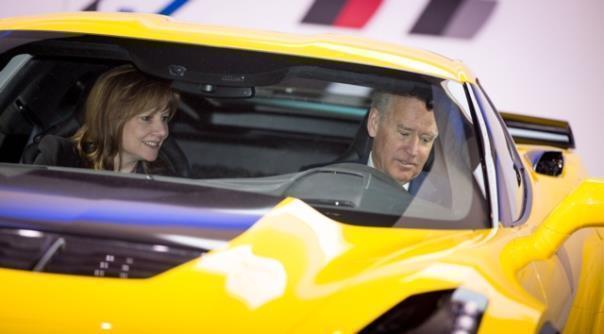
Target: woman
126, 122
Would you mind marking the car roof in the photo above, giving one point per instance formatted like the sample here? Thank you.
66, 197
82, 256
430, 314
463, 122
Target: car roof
323, 46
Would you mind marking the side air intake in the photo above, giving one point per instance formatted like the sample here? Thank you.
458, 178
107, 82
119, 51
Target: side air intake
88, 256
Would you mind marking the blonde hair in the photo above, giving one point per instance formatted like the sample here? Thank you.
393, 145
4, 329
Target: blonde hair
117, 96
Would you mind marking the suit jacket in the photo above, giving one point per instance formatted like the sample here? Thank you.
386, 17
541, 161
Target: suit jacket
57, 151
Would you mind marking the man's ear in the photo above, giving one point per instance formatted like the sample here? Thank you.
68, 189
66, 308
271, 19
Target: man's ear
373, 122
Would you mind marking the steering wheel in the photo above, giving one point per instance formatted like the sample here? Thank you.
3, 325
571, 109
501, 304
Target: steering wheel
351, 190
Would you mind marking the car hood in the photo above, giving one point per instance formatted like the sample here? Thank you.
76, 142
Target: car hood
278, 272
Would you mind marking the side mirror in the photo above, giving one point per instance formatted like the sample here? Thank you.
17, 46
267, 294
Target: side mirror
584, 207
547, 162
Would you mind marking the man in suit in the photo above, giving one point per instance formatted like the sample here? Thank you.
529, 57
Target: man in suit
403, 129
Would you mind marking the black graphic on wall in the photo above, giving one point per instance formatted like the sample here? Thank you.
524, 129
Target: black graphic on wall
454, 18
446, 18
92, 7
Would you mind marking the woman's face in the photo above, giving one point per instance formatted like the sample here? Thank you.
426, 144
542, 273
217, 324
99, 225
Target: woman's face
142, 138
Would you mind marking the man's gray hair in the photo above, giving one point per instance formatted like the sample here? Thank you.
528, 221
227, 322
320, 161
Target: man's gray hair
380, 100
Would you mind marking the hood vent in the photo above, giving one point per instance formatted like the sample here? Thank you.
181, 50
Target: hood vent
88, 256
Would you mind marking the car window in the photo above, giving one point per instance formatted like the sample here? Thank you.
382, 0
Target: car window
287, 127
510, 178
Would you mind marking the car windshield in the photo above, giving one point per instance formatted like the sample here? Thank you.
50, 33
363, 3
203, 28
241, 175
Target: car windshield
275, 125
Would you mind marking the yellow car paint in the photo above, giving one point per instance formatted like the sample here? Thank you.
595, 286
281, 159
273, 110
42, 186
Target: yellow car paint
299, 271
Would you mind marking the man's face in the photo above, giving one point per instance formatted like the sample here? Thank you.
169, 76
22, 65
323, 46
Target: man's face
403, 138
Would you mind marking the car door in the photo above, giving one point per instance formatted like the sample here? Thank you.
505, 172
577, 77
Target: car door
552, 281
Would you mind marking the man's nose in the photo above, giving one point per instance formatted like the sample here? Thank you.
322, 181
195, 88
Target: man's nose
412, 146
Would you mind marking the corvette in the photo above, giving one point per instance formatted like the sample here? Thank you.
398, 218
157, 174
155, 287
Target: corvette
273, 222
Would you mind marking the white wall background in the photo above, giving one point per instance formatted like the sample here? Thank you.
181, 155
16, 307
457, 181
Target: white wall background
537, 57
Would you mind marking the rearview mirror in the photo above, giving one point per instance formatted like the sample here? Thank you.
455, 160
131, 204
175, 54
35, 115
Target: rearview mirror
210, 90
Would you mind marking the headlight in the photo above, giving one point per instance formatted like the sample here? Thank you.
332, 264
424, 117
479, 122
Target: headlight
448, 311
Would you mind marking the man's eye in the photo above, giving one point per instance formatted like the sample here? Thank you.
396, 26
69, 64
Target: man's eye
165, 118
426, 140
405, 134
145, 118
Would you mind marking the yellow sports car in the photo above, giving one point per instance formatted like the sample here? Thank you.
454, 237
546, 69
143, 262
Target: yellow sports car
273, 214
